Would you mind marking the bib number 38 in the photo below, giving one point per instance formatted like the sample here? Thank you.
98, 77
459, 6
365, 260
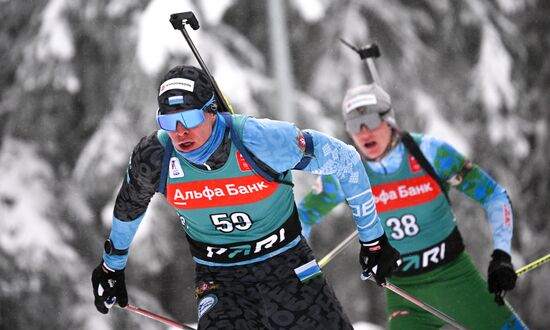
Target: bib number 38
403, 227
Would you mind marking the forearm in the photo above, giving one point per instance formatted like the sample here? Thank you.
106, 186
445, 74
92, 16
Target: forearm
122, 234
138, 187
500, 217
333, 157
130, 206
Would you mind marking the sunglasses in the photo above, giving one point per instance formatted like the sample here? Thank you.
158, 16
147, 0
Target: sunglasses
371, 121
188, 118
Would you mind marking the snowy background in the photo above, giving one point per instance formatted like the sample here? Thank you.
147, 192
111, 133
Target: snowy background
78, 89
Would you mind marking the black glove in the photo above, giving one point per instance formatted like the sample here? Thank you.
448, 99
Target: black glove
109, 287
379, 258
501, 275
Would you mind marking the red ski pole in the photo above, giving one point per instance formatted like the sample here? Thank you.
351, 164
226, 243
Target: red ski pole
157, 317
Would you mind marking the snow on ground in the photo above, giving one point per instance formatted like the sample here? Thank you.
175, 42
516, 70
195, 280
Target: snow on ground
366, 326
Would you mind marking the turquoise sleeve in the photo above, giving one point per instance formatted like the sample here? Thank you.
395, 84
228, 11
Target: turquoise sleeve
474, 182
122, 234
278, 144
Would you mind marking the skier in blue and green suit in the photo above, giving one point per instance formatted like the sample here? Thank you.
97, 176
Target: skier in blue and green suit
410, 176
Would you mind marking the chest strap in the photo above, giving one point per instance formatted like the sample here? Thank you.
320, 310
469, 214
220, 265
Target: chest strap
413, 148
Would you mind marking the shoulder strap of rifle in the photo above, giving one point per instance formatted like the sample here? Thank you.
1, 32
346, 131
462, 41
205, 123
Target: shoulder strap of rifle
414, 149
165, 166
269, 176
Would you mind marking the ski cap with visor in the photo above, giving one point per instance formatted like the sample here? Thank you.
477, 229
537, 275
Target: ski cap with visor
367, 105
184, 95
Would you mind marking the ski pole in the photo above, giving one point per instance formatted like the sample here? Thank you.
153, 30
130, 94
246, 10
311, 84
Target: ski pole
325, 260
179, 20
157, 317
417, 302
533, 265
364, 276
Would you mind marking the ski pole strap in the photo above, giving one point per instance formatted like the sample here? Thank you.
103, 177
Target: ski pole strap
413, 148
165, 166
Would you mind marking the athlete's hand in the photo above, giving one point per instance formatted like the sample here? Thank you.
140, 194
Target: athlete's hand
109, 287
379, 258
501, 275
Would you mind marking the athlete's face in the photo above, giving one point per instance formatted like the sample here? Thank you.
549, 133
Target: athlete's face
372, 142
189, 139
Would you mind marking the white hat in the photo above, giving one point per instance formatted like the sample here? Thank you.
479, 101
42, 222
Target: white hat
367, 105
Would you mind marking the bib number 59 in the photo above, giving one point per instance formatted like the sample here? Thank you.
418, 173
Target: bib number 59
228, 223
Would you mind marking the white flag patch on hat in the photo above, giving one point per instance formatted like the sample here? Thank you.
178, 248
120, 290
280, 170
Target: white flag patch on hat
360, 101
177, 83
178, 99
